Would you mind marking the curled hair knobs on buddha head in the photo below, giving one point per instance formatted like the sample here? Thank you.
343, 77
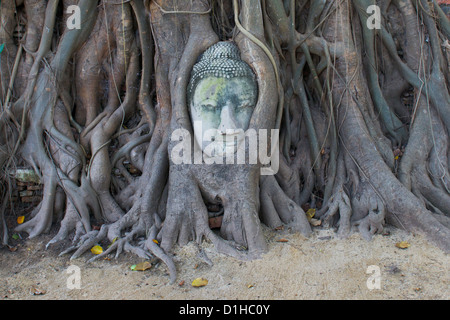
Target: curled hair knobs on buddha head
221, 60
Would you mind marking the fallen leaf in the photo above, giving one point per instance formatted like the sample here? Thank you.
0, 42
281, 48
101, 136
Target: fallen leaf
181, 283
282, 240
250, 286
199, 282
155, 241
96, 249
310, 213
402, 245
112, 242
15, 236
133, 267
142, 266
20, 219
315, 222
36, 291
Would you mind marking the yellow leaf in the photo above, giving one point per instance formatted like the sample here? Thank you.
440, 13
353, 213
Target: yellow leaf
96, 249
155, 241
143, 266
20, 219
114, 240
199, 282
402, 244
310, 213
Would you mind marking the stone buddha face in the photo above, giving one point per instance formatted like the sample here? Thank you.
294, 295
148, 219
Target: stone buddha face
221, 95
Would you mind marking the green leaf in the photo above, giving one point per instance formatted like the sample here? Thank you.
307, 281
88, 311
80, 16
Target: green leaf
2, 46
114, 240
15, 236
310, 214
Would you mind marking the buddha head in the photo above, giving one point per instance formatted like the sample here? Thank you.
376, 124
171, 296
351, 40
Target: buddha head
222, 94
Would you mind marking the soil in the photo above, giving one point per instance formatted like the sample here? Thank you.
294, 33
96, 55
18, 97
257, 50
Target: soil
320, 267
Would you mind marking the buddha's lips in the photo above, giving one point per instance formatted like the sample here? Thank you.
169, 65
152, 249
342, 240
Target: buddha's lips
230, 132
229, 138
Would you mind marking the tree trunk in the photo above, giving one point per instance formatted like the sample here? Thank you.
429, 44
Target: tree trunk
353, 121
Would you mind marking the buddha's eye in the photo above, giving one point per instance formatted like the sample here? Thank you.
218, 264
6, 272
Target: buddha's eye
209, 107
246, 106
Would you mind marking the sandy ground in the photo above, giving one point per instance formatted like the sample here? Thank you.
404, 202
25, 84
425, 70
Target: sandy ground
321, 267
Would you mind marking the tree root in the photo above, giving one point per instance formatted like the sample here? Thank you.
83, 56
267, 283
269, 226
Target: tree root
146, 249
341, 123
278, 209
338, 203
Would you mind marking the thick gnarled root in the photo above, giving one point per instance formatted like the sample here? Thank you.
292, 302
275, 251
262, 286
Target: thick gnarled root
240, 233
122, 241
338, 209
278, 209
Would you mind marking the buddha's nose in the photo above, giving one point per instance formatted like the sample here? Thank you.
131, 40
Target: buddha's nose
227, 120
